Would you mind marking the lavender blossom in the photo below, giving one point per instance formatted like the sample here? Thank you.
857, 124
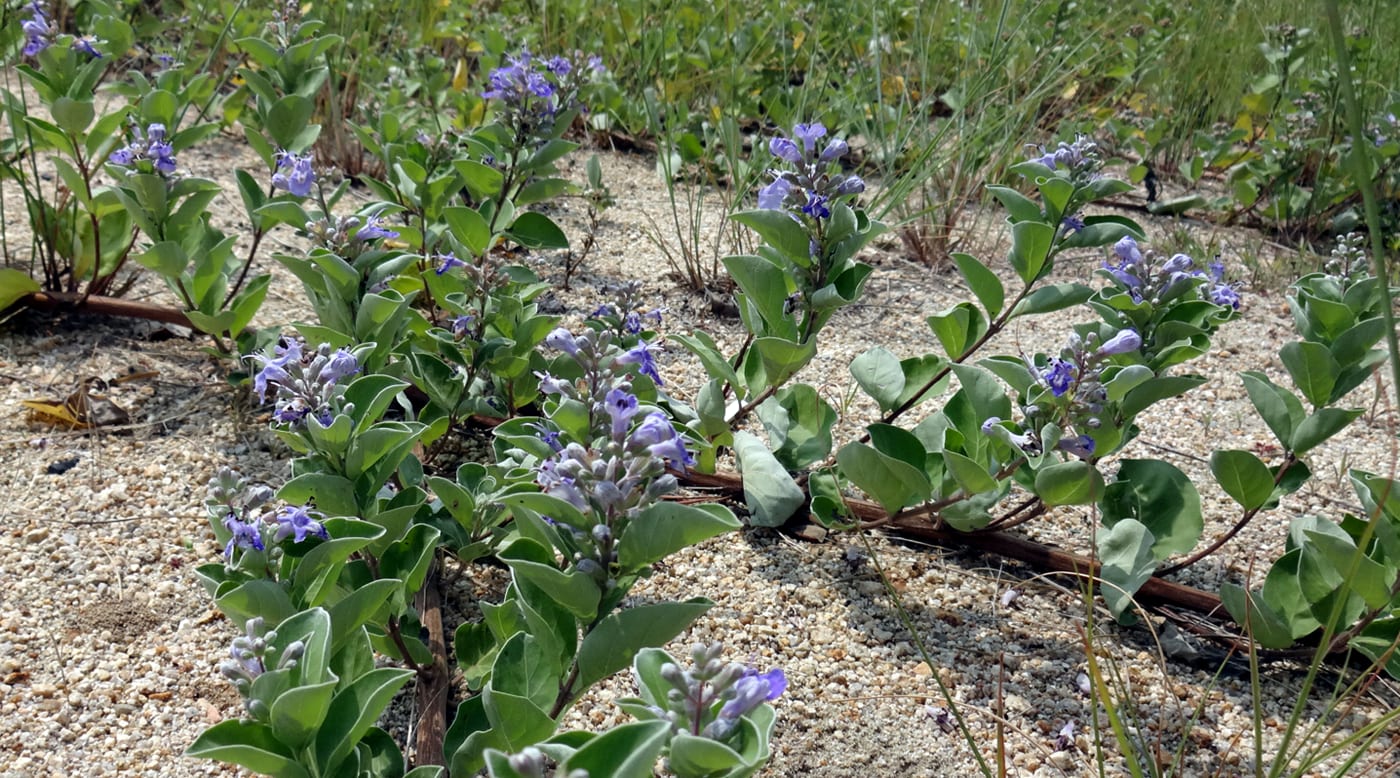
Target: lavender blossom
298, 524
294, 173
373, 231
38, 30
1125, 341
305, 384
1059, 376
150, 147
641, 356
84, 45
447, 262
752, 690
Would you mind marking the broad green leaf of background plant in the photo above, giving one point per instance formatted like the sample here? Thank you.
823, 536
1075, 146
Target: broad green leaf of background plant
1246, 479
1125, 552
769, 491
892, 483
248, 744
15, 284
664, 528
1159, 496
1069, 483
618, 638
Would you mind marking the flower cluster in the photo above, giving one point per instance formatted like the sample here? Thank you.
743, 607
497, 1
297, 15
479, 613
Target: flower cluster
306, 383
348, 236
249, 660
1349, 262
809, 188
1076, 395
294, 173
709, 700
533, 91
238, 507
622, 469
1147, 277
532, 763
151, 147
38, 30
1079, 159
626, 316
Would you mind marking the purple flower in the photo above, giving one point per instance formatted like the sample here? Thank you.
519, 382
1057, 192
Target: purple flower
1125, 341
834, 150
771, 197
621, 406
1127, 250
657, 435
549, 436
460, 325
245, 535
1072, 224
274, 368
752, 690
1065, 739
784, 148
551, 384
294, 173
37, 30
1179, 263
560, 339
297, 524
341, 364
809, 134
816, 207
852, 185
559, 66
1225, 295
162, 155
84, 45
446, 262
642, 358
122, 156
372, 230
1082, 446
1059, 375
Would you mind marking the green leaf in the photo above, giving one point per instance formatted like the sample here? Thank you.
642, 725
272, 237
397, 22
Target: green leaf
357, 608
666, 527
1320, 426
73, 116
353, 711
1246, 479
1125, 552
1054, 297
1276, 406
1069, 483
167, 258
782, 358
892, 483
15, 284
537, 231
626, 751
769, 491
1148, 392
879, 373
298, 712
1022, 208
779, 230
523, 668
612, 644
1030, 248
971, 476
959, 328
576, 592
1161, 498
1371, 580
799, 424
1312, 368
258, 597
469, 227
982, 281
286, 120
766, 286
1283, 592
1262, 622
332, 494
247, 744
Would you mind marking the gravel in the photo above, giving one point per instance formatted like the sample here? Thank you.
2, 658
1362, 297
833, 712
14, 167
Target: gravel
108, 644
